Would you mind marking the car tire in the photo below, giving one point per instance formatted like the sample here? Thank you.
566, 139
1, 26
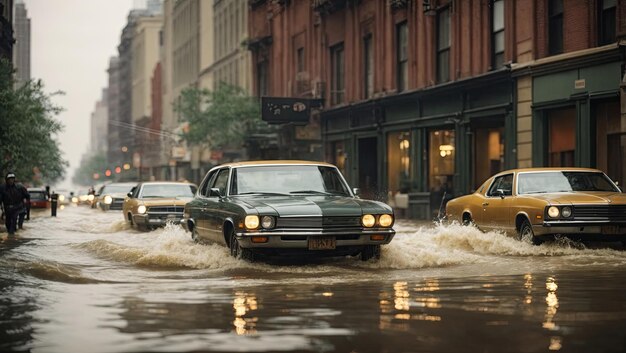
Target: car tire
194, 235
370, 252
467, 221
237, 251
526, 231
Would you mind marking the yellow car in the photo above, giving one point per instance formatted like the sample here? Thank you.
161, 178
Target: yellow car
540, 203
154, 204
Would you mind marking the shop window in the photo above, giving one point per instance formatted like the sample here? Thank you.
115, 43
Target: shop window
555, 27
402, 56
443, 45
497, 34
562, 137
441, 161
488, 153
336, 154
616, 169
368, 66
606, 21
337, 74
399, 162
608, 122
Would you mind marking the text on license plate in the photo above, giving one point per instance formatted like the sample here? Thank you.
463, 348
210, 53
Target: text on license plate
322, 243
613, 230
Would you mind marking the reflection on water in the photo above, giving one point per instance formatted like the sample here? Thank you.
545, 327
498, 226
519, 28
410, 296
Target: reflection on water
528, 286
243, 304
552, 302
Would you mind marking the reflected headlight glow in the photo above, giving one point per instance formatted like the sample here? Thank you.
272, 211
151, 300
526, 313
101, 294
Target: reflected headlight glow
385, 220
108, 200
553, 212
141, 209
368, 220
252, 222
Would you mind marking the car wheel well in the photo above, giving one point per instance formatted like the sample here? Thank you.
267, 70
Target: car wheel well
519, 220
466, 218
228, 228
190, 225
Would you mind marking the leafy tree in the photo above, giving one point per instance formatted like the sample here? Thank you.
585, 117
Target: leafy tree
96, 163
28, 144
223, 117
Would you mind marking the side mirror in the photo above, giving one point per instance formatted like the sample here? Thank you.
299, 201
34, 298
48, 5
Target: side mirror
500, 192
130, 194
356, 191
215, 192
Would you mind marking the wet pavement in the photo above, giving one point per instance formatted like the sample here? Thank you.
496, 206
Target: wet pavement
85, 282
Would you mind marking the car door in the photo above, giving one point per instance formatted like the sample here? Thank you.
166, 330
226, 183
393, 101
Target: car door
214, 212
198, 206
496, 205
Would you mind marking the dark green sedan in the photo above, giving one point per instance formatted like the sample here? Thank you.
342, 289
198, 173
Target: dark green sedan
286, 208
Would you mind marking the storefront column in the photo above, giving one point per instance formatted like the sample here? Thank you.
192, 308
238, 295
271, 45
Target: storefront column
463, 170
510, 141
585, 150
539, 144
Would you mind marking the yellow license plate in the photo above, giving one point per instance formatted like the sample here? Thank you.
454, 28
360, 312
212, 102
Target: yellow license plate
613, 230
322, 243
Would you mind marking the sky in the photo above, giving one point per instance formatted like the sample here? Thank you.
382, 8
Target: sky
71, 43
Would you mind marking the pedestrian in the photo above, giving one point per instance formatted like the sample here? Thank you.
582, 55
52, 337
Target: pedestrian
12, 197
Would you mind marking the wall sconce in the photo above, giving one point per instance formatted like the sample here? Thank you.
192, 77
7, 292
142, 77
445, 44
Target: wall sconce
445, 150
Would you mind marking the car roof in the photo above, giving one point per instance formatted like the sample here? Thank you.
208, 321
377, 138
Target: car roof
165, 183
274, 162
549, 169
122, 184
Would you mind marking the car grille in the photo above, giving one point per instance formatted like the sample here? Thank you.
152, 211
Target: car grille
319, 222
166, 209
613, 213
117, 204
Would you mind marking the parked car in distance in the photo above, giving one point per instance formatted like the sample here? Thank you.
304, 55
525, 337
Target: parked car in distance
154, 204
111, 196
540, 203
38, 198
286, 208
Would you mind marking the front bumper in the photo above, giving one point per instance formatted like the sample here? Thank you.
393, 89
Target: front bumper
582, 229
299, 239
157, 220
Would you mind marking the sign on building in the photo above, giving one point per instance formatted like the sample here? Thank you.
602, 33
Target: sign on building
279, 110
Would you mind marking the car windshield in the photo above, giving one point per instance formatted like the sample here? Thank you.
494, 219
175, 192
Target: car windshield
288, 179
37, 195
116, 189
547, 182
167, 190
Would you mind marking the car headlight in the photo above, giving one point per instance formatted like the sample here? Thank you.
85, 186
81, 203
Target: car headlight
385, 220
61, 198
75, 199
251, 222
566, 211
90, 197
108, 200
553, 212
267, 222
141, 209
368, 220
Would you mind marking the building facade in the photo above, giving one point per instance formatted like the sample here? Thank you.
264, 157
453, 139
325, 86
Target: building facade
232, 60
114, 145
21, 49
145, 56
424, 100
99, 125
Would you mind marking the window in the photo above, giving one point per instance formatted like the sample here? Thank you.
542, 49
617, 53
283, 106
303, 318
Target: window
555, 27
399, 161
368, 67
441, 161
562, 137
489, 152
261, 80
497, 34
402, 56
606, 21
221, 181
300, 60
337, 74
504, 183
443, 45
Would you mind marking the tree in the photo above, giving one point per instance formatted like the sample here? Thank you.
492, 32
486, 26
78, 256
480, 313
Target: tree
28, 144
96, 163
223, 117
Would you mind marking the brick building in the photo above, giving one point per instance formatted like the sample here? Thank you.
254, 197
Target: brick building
429, 98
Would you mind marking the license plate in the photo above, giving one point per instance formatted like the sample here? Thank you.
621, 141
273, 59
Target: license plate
322, 243
613, 230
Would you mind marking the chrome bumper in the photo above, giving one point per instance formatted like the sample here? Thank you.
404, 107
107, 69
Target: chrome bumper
157, 220
300, 239
580, 228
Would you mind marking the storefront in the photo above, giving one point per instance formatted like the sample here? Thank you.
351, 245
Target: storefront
576, 113
418, 149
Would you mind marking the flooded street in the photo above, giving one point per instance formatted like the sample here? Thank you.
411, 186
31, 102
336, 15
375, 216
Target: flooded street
86, 282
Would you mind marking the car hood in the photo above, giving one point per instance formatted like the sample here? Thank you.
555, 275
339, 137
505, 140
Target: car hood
587, 198
286, 206
170, 201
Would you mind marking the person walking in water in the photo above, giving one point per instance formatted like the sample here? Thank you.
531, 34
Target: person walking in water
12, 197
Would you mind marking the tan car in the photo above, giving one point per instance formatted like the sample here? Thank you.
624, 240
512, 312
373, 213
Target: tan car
540, 203
154, 204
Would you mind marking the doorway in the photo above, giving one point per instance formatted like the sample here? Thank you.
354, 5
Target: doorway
368, 167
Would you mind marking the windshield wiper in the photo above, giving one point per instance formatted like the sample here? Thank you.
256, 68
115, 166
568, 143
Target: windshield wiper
313, 192
263, 193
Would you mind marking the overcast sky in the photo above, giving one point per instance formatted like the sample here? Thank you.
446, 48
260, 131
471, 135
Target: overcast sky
71, 43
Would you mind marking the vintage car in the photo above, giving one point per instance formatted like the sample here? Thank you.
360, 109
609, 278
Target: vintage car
154, 204
38, 198
286, 208
111, 196
540, 203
